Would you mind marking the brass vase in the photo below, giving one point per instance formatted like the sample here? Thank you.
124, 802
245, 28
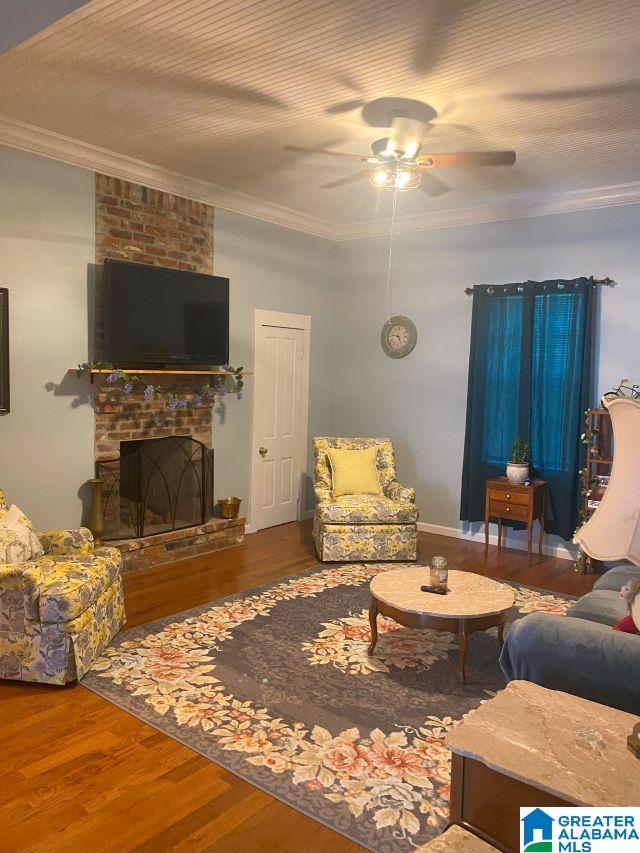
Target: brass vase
95, 522
229, 507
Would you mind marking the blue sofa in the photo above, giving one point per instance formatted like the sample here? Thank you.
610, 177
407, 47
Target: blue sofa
580, 653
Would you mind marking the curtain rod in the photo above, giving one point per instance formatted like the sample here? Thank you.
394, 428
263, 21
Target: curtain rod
605, 282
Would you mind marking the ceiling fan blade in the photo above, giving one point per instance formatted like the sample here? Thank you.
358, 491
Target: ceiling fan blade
244, 94
343, 182
345, 106
352, 103
467, 158
362, 158
432, 186
440, 20
626, 87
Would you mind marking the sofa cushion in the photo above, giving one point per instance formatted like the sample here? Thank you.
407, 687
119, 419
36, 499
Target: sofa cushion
18, 540
601, 605
574, 656
617, 577
367, 509
72, 583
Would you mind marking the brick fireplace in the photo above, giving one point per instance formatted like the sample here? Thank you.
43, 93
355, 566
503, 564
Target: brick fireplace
133, 418
137, 223
156, 485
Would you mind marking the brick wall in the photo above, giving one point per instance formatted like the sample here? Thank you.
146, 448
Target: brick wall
152, 227
119, 418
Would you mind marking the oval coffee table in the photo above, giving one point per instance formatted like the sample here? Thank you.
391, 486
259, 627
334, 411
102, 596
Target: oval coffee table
473, 603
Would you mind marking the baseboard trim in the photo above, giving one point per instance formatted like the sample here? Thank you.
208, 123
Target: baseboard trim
307, 514
511, 539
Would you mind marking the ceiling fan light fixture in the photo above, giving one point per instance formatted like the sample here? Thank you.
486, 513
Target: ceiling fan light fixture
403, 176
399, 176
380, 177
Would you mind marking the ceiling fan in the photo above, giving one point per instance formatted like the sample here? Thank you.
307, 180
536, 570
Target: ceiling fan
397, 161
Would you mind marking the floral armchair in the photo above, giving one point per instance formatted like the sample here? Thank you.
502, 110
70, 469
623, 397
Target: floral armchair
58, 612
363, 527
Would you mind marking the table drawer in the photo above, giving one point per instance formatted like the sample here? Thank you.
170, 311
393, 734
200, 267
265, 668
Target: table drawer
510, 496
503, 509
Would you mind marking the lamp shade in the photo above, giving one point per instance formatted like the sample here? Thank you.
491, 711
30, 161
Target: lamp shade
613, 531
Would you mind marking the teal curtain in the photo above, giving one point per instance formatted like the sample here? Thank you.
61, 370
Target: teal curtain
530, 373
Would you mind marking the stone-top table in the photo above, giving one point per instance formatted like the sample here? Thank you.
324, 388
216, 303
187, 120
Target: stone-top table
533, 746
473, 603
456, 840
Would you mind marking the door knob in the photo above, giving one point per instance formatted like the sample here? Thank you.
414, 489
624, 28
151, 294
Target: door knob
262, 451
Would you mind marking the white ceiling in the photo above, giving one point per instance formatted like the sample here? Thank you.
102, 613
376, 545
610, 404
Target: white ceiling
214, 90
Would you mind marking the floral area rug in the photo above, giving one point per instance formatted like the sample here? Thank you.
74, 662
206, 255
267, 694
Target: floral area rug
275, 684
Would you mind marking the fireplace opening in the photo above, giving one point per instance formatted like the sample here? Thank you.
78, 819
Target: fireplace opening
156, 485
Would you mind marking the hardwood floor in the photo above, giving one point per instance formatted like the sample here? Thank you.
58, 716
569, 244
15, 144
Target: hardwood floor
77, 774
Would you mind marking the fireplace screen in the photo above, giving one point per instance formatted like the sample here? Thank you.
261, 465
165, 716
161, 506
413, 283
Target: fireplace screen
156, 485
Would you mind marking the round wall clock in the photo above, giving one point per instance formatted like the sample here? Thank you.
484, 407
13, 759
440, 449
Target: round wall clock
398, 337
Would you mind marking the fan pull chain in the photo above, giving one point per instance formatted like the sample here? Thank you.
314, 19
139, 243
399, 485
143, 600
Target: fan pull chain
393, 222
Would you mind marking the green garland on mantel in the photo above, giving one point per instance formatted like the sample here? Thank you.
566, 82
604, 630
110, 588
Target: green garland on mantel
194, 394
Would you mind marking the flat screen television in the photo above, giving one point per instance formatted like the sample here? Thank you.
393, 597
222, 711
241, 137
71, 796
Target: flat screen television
159, 316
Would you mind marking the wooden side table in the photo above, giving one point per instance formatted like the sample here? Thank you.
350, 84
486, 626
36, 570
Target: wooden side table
522, 503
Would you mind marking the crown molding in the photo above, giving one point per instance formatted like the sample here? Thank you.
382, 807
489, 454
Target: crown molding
55, 146
47, 143
572, 201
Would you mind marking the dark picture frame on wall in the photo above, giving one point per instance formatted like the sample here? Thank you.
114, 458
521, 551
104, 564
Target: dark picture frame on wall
4, 351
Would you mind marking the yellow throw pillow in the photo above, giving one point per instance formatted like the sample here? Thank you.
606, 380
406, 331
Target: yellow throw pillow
354, 472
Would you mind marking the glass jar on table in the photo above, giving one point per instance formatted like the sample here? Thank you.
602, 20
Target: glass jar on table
439, 573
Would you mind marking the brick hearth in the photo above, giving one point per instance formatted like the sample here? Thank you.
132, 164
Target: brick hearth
214, 535
136, 223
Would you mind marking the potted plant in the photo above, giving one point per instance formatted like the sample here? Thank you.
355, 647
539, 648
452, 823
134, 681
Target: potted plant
518, 467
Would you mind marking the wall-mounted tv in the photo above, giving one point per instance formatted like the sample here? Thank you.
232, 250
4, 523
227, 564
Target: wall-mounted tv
160, 316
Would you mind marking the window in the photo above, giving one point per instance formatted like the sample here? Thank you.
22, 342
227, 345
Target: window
530, 374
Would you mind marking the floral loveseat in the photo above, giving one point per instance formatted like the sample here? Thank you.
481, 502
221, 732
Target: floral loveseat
363, 527
59, 612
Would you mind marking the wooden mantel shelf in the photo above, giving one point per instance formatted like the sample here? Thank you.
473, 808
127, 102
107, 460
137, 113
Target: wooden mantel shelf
106, 371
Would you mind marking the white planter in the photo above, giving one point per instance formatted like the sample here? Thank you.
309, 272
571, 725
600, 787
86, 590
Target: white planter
517, 472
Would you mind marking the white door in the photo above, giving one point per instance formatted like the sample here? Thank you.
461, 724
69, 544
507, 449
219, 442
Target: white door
278, 423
